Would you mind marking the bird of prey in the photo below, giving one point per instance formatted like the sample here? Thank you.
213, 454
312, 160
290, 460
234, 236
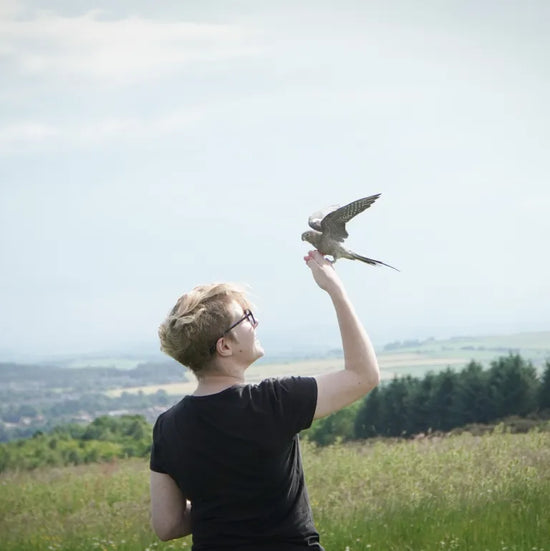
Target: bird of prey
329, 230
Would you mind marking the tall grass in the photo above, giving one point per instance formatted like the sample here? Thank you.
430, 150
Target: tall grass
461, 492
483, 493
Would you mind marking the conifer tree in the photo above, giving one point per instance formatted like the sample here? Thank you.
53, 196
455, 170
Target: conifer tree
442, 401
512, 386
472, 399
418, 407
367, 420
544, 389
393, 418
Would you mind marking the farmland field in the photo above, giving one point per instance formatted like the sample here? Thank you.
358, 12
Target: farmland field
472, 493
390, 365
415, 359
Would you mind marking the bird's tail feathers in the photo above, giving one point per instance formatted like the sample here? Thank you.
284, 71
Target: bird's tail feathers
372, 261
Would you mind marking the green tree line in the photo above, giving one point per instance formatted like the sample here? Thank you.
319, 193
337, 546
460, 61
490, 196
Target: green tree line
407, 406
105, 439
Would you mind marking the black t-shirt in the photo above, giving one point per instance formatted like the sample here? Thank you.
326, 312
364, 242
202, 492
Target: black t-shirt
235, 455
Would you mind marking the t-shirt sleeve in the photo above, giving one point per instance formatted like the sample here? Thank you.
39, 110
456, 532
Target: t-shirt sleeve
156, 460
294, 400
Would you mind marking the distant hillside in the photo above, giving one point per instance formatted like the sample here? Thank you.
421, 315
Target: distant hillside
38, 397
417, 356
535, 341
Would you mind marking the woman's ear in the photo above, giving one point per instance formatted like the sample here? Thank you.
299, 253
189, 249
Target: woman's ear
223, 347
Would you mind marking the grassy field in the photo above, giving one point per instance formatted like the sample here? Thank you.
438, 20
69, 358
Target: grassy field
488, 493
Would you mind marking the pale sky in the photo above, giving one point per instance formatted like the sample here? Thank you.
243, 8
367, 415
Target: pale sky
149, 147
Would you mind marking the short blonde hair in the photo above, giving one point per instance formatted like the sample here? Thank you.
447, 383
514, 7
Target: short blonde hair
197, 320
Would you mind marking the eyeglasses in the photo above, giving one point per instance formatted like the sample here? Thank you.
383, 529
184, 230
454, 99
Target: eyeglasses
248, 315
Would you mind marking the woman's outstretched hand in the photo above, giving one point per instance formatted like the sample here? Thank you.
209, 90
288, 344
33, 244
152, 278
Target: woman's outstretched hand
323, 271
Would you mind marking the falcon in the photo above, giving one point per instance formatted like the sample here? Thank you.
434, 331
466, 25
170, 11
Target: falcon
329, 230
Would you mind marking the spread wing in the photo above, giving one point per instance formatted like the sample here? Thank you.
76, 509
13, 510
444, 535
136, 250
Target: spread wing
316, 218
333, 224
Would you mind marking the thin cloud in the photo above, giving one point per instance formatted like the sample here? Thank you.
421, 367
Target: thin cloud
9, 8
119, 51
20, 135
34, 135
